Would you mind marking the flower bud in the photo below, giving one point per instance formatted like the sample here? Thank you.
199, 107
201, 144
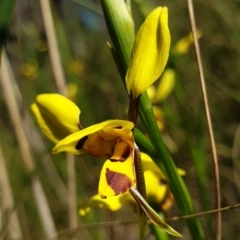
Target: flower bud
150, 52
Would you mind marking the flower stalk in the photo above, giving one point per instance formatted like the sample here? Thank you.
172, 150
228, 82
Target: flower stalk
177, 185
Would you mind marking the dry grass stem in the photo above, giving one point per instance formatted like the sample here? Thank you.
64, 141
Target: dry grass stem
38, 146
53, 46
61, 88
72, 189
43, 209
200, 214
14, 112
209, 123
13, 226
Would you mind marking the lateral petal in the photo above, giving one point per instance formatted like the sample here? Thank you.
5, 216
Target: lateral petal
56, 115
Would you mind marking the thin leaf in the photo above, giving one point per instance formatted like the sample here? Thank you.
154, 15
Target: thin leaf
152, 215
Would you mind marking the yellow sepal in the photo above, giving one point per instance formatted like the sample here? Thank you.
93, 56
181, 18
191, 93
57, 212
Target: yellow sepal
74, 143
56, 115
150, 52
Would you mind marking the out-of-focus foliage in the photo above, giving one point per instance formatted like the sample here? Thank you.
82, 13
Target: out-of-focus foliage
92, 75
6, 10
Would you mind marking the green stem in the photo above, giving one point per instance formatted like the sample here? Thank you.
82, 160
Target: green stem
121, 30
175, 182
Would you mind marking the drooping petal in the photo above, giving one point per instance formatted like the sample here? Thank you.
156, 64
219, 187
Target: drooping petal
156, 184
150, 165
157, 188
56, 115
113, 204
158, 191
150, 52
117, 176
75, 143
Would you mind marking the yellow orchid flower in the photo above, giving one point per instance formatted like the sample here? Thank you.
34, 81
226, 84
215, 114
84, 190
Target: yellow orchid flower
158, 192
150, 52
112, 139
56, 115
58, 118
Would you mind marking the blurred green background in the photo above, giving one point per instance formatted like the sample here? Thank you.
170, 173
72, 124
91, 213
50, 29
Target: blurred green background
93, 82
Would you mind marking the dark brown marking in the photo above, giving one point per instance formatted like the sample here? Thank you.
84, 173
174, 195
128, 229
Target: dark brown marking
162, 182
117, 160
118, 127
81, 142
119, 182
126, 152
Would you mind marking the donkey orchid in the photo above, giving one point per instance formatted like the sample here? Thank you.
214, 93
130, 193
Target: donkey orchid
112, 139
58, 118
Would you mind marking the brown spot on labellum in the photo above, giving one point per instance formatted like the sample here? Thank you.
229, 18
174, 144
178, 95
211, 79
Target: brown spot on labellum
162, 182
119, 182
118, 127
81, 142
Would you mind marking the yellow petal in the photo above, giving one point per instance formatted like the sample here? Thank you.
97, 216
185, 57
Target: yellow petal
150, 165
156, 184
116, 177
44, 126
150, 52
156, 187
74, 143
112, 204
165, 85
56, 115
